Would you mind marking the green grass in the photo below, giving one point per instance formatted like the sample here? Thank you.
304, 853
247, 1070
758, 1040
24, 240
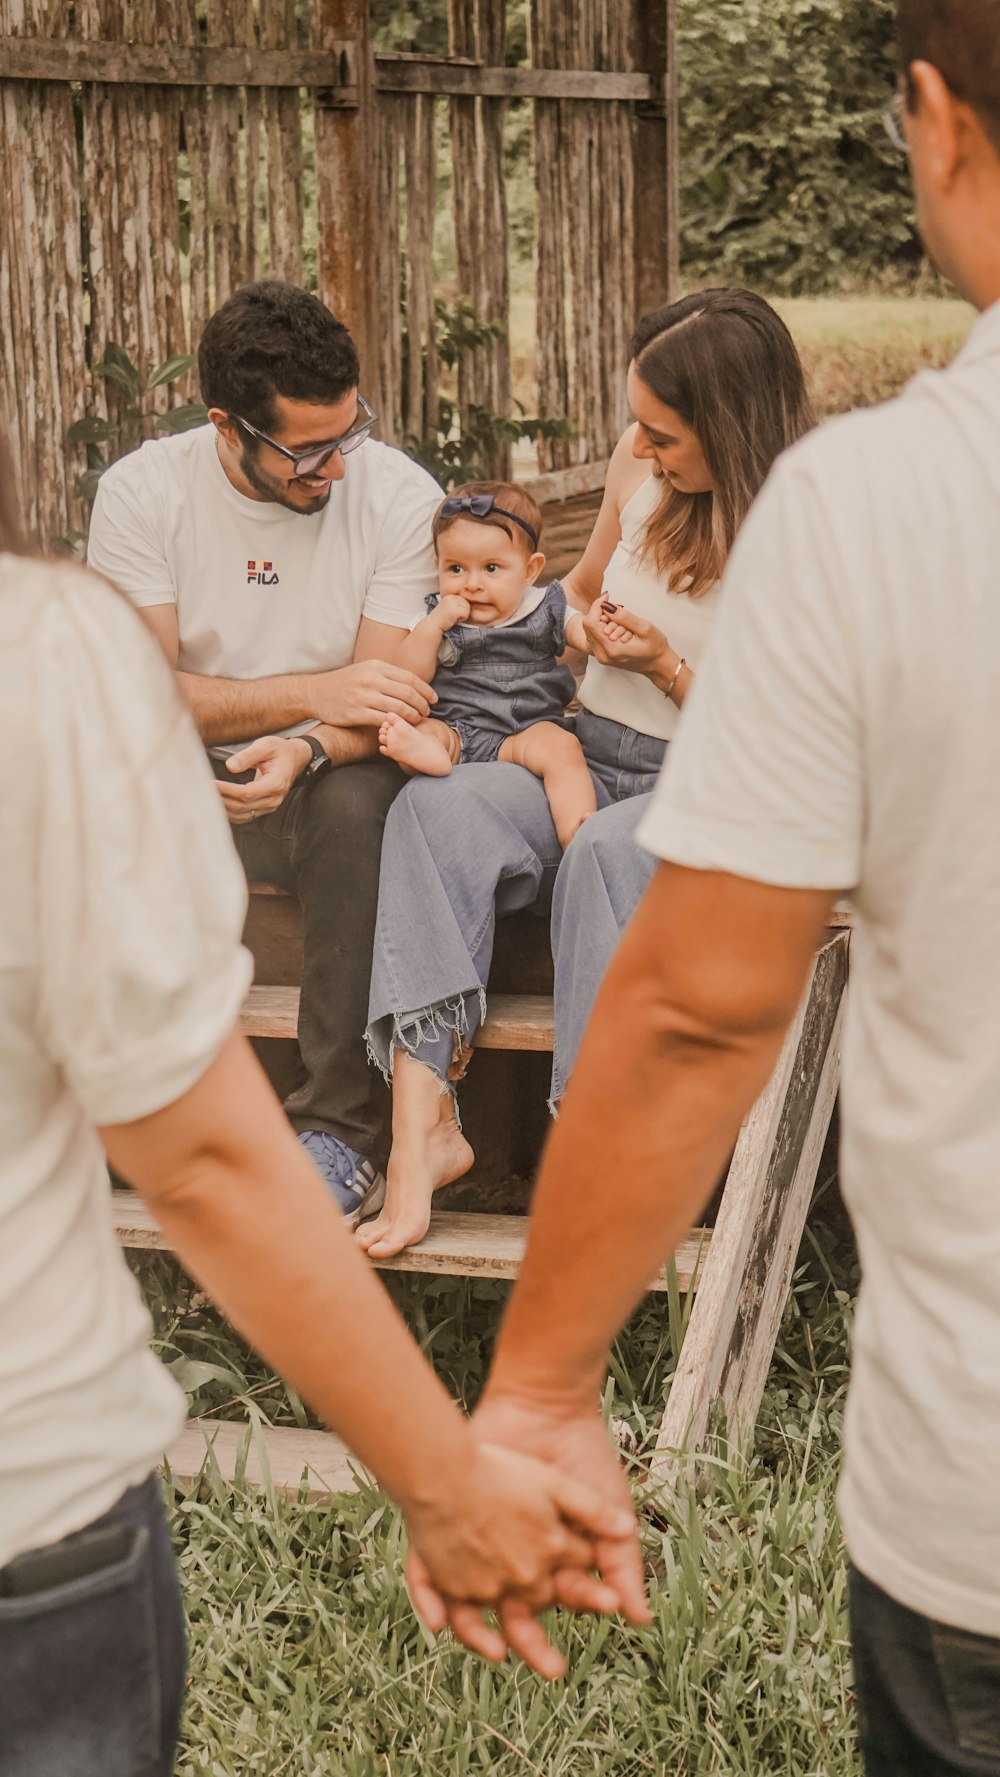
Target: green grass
306, 1658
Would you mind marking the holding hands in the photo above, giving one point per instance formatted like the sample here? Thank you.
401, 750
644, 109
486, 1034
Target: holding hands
529, 1535
617, 638
522, 1536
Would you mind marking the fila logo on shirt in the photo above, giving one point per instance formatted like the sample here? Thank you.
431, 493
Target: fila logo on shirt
261, 573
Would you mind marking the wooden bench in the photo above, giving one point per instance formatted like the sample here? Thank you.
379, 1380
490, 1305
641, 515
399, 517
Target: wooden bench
741, 1269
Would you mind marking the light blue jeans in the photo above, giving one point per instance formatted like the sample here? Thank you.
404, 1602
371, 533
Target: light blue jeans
462, 851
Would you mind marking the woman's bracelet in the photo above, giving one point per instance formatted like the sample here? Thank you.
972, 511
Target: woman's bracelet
669, 689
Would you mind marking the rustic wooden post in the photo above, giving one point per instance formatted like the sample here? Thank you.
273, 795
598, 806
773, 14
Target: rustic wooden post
744, 1284
346, 177
657, 180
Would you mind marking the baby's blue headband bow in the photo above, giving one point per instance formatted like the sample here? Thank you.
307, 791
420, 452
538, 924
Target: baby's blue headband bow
480, 506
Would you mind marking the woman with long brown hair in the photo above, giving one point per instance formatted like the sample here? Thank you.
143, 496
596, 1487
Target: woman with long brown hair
121, 981
717, 391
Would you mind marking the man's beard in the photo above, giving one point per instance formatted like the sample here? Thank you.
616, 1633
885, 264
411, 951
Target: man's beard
278, 490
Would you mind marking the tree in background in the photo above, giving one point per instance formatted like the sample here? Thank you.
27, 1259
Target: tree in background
788, 180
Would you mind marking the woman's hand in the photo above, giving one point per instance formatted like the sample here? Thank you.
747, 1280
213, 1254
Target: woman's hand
617, 638
518, 1537
278, 763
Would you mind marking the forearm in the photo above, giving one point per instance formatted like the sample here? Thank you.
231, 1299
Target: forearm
418, 651
251, 1221
660, 1089
243, 709
576, 635
346, 746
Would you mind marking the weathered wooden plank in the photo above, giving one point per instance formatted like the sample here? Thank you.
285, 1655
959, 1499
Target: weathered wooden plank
277, 1455
166, 64
459, 1244
514, 1021
464, 81
346, 162
171, 64
730, 1339
479, 204
568, 484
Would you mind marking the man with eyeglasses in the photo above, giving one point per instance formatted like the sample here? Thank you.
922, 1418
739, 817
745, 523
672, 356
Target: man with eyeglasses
278, 554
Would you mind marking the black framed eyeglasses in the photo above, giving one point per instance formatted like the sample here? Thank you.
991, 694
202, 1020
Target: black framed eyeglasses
306, 462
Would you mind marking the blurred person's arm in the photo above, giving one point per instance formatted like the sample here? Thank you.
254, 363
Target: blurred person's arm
244, 1209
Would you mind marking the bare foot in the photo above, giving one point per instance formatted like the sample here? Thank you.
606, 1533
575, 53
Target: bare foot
428, 1151
417, 747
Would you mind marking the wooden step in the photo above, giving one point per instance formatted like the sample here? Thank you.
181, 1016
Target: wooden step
283, 1453
514, 1021
458, 1244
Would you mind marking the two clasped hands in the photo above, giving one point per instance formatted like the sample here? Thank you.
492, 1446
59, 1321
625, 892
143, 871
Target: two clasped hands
543, 1517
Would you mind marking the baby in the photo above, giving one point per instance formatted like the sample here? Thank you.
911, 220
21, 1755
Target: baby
492, 640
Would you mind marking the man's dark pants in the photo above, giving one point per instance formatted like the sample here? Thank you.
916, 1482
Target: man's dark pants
325, 844
928, 1697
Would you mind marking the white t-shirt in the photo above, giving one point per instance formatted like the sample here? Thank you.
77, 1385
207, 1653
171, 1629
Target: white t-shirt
614, 692
260, 590
845, 734
121, 975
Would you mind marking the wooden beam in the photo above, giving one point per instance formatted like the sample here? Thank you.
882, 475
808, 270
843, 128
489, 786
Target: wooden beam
730, 1340
332, 70
346, 181
463, 79
170, 64
514, 1020
459, 1244
656, 165
279, 1456
567, 484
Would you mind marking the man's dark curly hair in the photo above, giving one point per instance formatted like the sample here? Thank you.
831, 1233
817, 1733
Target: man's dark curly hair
273, 339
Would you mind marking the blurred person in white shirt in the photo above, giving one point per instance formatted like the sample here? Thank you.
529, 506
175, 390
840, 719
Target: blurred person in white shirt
121, 979
843, 737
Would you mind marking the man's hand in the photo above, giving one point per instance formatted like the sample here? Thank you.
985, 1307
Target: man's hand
521, 1535
278, 762
361, 696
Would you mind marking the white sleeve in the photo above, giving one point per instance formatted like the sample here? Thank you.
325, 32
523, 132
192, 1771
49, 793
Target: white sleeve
405, 570
124, 541
141, 898
766, 777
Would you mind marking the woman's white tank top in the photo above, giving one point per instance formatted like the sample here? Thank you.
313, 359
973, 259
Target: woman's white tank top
627, 697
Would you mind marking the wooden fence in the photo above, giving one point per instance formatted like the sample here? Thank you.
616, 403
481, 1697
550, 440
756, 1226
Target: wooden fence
155, 154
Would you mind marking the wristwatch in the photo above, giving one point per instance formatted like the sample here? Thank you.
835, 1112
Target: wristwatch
319, 762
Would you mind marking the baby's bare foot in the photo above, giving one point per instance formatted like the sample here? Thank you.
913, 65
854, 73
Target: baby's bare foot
417, 1168
417, 747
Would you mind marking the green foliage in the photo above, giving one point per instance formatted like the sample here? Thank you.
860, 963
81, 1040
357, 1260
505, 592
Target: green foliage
463, 447
136, 419
788, 180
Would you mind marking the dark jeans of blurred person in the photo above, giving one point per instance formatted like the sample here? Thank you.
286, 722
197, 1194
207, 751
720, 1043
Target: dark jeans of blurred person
928, 1696
92, 1649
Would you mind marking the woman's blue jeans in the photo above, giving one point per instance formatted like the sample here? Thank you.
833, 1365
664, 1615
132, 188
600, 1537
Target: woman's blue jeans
462, 851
